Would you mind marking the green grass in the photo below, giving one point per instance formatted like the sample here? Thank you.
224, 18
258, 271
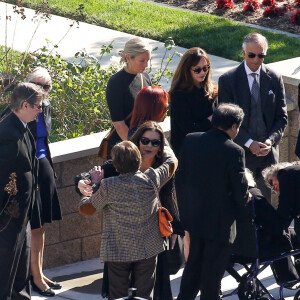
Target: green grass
218, 36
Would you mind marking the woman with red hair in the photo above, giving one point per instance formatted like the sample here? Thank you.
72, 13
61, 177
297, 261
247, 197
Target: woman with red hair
151, 104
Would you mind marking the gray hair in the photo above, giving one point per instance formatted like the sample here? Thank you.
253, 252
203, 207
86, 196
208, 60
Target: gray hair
273, 170
25, 92
39, 73
250, 178
133, 48
256, 38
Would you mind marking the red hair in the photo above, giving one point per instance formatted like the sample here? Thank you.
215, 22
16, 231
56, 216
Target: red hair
151, 104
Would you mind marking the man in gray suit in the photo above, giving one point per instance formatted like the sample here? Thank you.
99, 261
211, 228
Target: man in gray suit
259, 91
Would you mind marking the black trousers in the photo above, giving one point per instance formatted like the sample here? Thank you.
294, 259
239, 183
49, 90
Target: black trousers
15, 246
119, 278
204, 269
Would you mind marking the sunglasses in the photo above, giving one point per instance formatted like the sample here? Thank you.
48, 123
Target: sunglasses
252, 55
44, 86
204, 69
155, 143
37, 106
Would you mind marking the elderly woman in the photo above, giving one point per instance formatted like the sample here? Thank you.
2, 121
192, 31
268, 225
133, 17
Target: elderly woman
131, 238
46, 206
123, 87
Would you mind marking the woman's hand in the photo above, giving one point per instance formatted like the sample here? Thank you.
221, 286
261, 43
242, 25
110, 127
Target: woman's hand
97, 174
85, 188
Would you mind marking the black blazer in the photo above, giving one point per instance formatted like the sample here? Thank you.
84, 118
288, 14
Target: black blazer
234, 88
211, 184
297, 151
17, 155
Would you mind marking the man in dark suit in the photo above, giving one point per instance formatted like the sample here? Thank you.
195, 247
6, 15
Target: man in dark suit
297, 151
259, 91
211, 189
17, 184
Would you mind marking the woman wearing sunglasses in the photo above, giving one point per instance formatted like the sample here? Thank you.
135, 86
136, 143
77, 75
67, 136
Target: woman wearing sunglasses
193, 96
150, 139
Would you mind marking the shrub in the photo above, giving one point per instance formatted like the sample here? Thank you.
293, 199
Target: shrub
269, 2
295, 18
251, 5
274, 11
225, 4
297, 2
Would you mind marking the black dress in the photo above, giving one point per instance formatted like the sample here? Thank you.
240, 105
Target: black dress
46, 206
122, 88
189, 113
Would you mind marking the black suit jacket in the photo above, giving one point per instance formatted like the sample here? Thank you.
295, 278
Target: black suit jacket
17, 155
211, 184
297, 151
234, 88
289, 197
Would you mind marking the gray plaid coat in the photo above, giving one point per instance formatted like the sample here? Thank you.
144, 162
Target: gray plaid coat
130, 220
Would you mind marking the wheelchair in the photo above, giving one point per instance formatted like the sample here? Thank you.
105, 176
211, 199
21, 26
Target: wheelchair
246, 253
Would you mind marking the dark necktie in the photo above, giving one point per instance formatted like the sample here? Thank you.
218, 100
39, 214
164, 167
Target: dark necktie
255, 88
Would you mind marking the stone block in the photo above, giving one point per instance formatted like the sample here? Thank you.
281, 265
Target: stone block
75, 226
52, 233
284, 149
70, 168
293, 123
69, 200
91, 247
291, 91
292, 155
62, 253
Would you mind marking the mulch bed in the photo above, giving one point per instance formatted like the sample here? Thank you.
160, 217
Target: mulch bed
237, 14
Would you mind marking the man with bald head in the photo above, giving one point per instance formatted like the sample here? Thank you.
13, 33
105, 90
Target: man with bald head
259, 91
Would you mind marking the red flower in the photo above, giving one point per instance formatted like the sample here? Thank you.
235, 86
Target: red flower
274, 11
295, 18
251, 5
225, 4
297, 2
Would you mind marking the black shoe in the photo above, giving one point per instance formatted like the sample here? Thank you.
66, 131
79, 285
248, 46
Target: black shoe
54, 285
46, 292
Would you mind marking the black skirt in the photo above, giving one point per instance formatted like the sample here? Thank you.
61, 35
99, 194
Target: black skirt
46, 207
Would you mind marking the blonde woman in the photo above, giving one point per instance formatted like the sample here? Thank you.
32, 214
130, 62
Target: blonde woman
124, 86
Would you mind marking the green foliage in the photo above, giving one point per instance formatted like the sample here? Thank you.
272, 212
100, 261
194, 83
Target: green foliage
216, 35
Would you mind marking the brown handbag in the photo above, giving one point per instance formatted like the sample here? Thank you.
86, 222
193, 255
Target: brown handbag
104, 145
164, 217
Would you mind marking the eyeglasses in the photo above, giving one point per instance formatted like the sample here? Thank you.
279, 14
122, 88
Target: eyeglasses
44, 86
260, 55
155, 143
204, 69
37, 106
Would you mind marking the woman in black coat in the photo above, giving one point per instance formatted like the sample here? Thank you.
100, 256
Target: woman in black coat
193, 96
46, 206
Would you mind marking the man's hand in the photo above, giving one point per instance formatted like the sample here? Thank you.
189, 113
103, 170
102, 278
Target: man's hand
265, 151
256, 147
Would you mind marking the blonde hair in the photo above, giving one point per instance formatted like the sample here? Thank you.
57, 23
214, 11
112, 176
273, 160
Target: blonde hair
133, 48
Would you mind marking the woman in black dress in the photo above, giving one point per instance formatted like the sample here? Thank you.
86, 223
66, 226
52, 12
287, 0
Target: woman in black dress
193, 96
123, 87
46, 206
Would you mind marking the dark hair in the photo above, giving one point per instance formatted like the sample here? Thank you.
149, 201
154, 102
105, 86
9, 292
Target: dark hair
182, 79
226, 115
25, 92
152, 126
126, 157
151, 104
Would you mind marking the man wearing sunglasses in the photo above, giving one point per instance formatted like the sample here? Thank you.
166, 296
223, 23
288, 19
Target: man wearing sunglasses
259, 91
17, 186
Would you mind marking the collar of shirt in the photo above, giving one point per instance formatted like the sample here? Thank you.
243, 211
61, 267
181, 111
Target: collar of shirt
250, 77
24, 124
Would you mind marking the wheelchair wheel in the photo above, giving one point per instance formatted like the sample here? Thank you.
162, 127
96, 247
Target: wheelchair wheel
297, 296
250, 291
